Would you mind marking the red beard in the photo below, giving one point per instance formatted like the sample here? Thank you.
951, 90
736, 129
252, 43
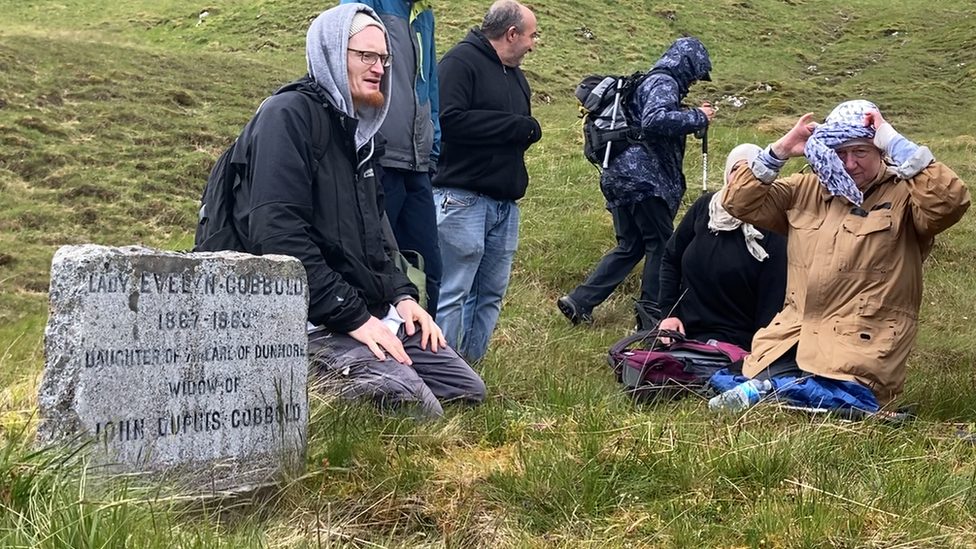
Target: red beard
371, 99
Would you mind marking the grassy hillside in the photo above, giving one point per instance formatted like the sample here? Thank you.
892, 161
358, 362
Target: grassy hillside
112, 111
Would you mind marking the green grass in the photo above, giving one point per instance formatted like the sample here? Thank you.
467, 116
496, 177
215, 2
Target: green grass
112, 112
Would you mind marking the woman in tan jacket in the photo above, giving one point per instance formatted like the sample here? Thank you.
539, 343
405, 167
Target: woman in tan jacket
858, 231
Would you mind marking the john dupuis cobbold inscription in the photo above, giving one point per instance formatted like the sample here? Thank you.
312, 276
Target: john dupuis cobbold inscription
192, 365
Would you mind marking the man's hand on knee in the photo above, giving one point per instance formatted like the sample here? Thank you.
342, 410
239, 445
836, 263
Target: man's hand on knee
412, 312
375, 335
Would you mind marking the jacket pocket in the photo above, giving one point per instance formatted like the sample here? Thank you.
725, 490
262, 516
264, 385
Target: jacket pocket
870, 337
868, 243
803, 236
864, 226
424, 130
803, 220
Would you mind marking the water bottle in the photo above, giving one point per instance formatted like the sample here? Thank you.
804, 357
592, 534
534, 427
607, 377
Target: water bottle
741, 396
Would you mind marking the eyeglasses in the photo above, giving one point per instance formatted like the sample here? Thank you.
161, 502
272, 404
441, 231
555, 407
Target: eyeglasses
857, 152
371, 57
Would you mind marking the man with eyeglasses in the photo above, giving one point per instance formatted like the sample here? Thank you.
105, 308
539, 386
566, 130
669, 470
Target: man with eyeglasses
487, 125
858, 230
412, 132
312, 194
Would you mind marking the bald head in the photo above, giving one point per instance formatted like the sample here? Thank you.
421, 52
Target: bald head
501, 16
512, 30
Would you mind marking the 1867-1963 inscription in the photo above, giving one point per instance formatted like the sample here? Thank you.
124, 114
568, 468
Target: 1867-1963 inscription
192, 364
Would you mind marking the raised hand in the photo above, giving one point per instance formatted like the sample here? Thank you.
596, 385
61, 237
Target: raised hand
793, 143
708, 110
873, 119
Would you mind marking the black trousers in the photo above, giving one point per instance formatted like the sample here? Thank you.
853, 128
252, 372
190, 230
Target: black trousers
642, 230
783, 366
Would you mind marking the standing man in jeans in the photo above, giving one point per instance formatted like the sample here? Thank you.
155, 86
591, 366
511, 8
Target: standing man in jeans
412, 132
487, 125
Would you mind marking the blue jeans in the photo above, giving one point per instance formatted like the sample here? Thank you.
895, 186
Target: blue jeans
412, 218
478, 237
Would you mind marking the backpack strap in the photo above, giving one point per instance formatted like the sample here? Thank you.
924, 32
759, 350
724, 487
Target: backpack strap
319, 118
637, 79
635, 134
319, 114
615, 353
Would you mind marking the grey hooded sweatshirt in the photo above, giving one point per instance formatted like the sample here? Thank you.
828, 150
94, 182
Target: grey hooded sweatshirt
325, 51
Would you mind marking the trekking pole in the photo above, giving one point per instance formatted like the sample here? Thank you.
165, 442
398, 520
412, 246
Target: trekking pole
613, 121
705, 160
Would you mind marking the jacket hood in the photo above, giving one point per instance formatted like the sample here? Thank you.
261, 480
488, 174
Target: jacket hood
687, 61
477, 39
325, 53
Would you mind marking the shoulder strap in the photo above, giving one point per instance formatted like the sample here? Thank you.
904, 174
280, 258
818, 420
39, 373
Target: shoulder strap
649, 339
638, 78
319, 114
634, 82
319, 118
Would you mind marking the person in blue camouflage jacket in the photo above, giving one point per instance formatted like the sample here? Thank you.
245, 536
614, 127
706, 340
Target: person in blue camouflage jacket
412, 133
644, 184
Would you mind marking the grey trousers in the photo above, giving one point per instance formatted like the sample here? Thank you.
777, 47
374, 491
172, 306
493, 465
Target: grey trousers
353, 371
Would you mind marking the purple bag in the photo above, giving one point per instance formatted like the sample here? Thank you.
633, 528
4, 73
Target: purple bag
650, 369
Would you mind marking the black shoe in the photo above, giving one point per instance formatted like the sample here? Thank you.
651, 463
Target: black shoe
573, 312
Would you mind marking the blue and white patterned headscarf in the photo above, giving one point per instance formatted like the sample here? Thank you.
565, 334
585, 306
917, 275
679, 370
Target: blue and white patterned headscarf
844, 123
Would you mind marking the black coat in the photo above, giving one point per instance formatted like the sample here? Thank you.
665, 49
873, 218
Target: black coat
486, 121
325, 213
727, 293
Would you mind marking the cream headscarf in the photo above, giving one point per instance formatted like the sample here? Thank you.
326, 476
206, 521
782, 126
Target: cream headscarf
721, 220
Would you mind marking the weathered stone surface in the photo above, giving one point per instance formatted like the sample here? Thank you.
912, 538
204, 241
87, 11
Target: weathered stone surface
191, 367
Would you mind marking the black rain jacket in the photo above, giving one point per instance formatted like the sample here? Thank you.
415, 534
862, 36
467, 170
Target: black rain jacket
325, 212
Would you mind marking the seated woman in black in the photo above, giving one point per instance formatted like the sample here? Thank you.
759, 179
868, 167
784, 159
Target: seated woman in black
717, 280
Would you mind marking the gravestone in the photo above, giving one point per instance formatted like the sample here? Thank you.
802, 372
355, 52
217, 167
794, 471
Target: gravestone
190, 367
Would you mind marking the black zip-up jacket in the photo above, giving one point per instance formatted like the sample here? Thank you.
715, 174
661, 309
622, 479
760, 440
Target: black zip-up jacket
325, 213
486, 121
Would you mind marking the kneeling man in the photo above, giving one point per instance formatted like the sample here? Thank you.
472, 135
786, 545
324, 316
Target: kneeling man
313, 195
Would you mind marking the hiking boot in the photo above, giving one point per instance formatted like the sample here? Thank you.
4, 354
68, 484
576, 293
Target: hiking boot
573, 311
